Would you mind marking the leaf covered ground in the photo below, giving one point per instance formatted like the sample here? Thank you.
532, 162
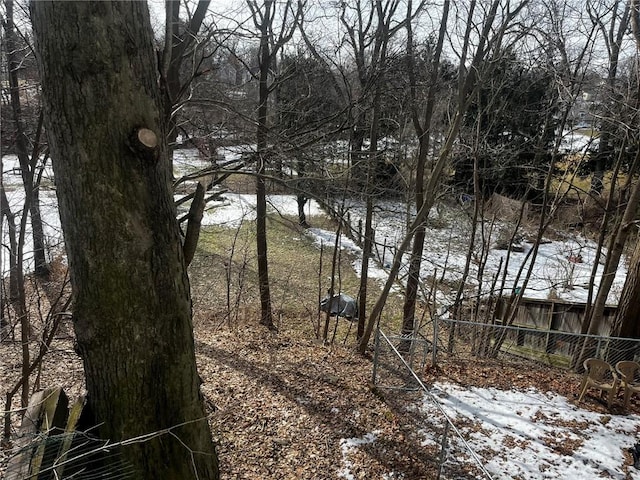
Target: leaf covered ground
284, 406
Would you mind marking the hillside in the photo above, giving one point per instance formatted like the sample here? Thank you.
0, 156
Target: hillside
283, 405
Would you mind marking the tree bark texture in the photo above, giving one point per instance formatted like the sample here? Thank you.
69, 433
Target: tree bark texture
132, 310
626, 321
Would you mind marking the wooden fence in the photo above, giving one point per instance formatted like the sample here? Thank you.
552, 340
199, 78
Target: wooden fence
556, 315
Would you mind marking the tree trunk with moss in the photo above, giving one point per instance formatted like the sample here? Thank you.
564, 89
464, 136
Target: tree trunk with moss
132, 310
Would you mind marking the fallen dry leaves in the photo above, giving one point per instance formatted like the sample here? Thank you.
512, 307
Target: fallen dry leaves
282, 404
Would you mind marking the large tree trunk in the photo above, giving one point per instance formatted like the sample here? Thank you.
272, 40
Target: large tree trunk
132, 311
626, 322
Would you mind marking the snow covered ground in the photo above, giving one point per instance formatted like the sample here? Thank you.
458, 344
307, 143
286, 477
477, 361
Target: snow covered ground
48, 208
525, 435
516, 434
528, 435
539, 434
575, 142
445, 251
553, 273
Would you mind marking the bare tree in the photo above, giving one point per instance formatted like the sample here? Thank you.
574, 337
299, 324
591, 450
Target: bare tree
624, 324
28, 145
492, 28
28, 148
611, 18
618, 218
181, 44
370, 28
422, 126
264, 17
184, 47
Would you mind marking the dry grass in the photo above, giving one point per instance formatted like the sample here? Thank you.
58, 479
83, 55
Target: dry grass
224, 274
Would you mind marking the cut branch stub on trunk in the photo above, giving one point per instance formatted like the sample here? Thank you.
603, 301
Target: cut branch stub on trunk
144, 143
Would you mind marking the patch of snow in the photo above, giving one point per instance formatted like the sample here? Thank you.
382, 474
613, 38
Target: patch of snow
445, 252
528, 435
236, 208
348, 444
325, 237
51, 226
573, 142
515, 432
553, 274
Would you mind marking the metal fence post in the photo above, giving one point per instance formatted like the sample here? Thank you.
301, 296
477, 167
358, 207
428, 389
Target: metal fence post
443, 450
434, 347
376, 350
382, 339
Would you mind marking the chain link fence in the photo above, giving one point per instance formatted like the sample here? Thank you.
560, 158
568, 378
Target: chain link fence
396, 360
466, 340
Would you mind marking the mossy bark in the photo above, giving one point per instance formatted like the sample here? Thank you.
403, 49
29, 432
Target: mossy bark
132, 310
